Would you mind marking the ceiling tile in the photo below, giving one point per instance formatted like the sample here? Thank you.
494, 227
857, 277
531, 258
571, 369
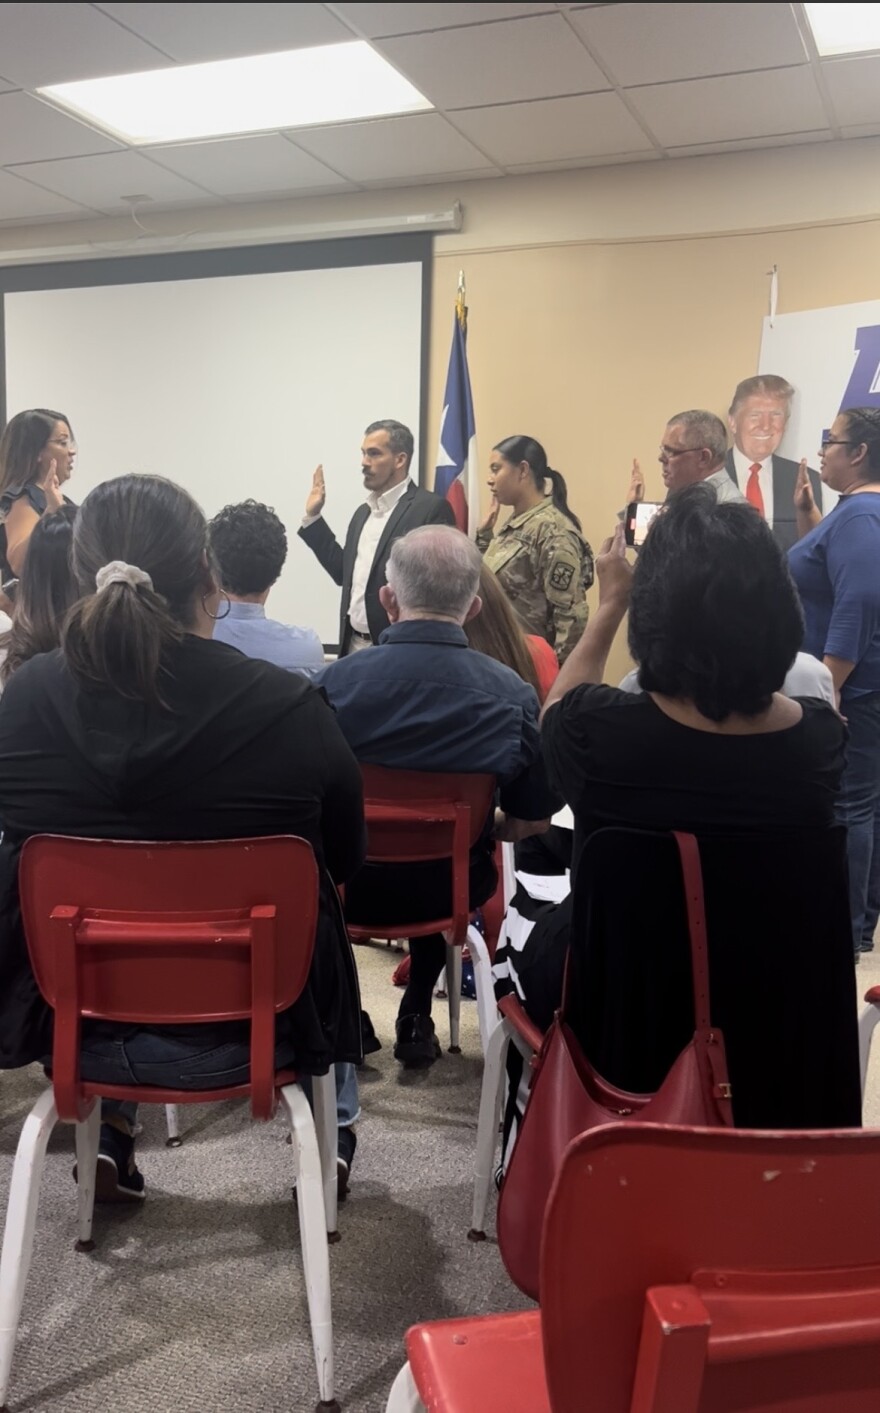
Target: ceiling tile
377, 20
30, 130
861, 130
645, 44
734, 106
20, 201
418, 145
5, 86
248, 166
101, 182
195, 34
500, 63
559, 128
43, 44
854, 89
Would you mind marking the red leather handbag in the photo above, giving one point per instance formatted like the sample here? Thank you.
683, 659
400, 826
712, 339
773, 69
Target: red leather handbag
567, 1097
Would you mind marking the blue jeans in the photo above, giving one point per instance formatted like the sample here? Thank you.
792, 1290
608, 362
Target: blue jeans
872, 912
858, 804
348, 1105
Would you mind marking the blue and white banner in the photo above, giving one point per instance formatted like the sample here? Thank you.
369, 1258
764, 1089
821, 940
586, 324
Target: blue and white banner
832, 359
455, 476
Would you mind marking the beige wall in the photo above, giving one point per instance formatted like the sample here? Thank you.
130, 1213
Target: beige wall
602, 300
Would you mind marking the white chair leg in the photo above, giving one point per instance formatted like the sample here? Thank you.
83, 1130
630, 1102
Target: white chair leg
404, 1396
867, 1021
88, 1137
21, 1217
174, 1139
508, 873
487, 1011
453, 977
326, 1128
487, 1127
313, 1236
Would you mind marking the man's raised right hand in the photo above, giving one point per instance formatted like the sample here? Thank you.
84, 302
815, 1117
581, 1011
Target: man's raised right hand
318, 494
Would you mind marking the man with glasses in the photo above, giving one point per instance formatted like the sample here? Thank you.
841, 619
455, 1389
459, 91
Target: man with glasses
693, 449
757, 419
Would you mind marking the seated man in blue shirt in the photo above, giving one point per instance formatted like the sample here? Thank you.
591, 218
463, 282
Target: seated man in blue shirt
422, 699
250, 546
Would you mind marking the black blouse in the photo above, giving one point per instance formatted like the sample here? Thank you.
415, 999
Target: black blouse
243, 748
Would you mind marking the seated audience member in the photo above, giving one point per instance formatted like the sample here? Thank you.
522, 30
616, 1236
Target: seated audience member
141, 727
45, 592
693, 451
250, 547
423, 700
709, 744
249, 544
37, 453
497, 631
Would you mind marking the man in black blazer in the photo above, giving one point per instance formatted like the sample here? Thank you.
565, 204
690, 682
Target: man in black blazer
757, 420
394, 506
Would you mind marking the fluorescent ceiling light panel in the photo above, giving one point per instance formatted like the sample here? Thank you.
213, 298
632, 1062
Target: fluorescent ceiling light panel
331, 83
844, 29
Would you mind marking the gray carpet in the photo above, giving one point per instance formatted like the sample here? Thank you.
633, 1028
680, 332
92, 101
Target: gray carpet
195, 1301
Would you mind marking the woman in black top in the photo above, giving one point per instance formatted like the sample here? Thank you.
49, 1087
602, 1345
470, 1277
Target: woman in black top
141, 727
37, 453
711, 746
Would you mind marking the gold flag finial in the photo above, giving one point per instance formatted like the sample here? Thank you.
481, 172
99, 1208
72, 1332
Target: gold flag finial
461, 301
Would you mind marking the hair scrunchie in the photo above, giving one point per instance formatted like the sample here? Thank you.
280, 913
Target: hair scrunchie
118, 572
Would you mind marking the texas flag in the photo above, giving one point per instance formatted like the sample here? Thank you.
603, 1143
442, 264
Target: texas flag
455, 476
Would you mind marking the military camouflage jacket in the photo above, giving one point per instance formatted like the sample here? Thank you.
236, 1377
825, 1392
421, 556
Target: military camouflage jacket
545, 567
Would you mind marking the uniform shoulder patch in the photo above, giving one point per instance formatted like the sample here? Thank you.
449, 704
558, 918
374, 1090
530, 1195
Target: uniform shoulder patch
561, 576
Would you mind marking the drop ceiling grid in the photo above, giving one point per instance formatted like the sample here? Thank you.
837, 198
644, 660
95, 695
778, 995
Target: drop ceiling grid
516, 87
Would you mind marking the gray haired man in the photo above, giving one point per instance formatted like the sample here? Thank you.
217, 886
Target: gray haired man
693, 448
424, 700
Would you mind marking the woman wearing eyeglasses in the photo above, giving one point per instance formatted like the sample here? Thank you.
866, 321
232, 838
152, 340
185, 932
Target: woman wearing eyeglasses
836, 567
37, 452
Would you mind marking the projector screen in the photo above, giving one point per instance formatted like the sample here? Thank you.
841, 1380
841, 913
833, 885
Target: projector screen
234, 385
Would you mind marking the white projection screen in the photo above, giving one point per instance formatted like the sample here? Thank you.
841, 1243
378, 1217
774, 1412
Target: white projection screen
234, 385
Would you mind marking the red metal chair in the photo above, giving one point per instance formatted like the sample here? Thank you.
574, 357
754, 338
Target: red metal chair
170, 934
868, 1018
683, 1271
414, 816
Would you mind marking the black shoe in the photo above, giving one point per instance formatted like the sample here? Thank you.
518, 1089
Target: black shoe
117, 1177
866, 946
369, 1038
417, 1043
346, 1144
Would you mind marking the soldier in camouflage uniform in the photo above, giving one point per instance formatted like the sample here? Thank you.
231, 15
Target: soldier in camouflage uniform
540, 556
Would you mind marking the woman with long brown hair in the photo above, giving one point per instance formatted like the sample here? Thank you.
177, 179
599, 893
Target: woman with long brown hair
497, 631
46, 590
37, 454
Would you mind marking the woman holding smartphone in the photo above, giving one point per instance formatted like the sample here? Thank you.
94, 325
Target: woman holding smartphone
37, 454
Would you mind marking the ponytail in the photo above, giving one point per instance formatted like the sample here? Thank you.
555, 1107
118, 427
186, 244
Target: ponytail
863, 425
560, 496
518, 449
117, 638
141, 560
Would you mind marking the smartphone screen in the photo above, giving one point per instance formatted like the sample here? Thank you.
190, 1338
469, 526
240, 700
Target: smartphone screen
638, 520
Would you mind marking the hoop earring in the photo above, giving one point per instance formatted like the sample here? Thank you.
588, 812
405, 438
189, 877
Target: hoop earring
218, 617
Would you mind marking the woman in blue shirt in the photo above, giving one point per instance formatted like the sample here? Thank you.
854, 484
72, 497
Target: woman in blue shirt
836, 567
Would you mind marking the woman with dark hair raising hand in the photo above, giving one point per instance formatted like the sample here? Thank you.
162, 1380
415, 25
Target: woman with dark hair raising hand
539, 556
836, 567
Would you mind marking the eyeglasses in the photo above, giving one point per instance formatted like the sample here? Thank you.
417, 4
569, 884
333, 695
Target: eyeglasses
669, 453
64, 442
834, 441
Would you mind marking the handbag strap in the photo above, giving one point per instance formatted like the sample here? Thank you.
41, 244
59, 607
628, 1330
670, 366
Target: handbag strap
692, 874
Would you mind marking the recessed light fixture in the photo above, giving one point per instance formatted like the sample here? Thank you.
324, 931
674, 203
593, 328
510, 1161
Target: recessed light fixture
332, 83
844, 29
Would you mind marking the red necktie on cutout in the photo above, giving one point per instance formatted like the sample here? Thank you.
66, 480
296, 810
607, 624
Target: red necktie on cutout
753, 489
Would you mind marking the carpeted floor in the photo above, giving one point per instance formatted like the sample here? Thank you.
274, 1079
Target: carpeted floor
196, 1301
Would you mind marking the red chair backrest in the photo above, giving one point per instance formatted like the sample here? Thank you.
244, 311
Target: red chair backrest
168, 934
414, 815
712, 1270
